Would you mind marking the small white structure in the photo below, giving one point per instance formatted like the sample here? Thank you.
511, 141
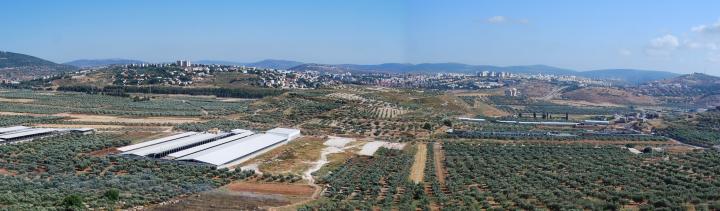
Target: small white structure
550, 123
287, 132
370, 148
471, 119
595, 122
512, 92
634, 151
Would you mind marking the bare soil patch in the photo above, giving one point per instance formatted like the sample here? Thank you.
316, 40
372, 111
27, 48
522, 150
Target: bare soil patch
439, 155
222, 201
272, 188
418, 167
607, 95
5, 172
16, 100
18, 113
294, 157
103, 152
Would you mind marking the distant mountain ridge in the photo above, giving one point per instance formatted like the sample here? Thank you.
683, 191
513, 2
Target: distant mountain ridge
621, 75
629, 75
16, 66
83, 63
694, 79
10, 60
17, 60
267, 63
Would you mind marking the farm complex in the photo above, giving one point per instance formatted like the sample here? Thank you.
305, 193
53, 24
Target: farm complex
353, 147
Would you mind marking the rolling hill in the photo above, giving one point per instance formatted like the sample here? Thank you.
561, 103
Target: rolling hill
15, 66
628, 75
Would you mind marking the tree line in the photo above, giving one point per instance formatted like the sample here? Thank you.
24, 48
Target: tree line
217, 91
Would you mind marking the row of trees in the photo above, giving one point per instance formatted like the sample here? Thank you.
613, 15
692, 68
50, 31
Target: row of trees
51, 103
247, 92
12, 120
703, 131
560, 177
545, 135
366, 183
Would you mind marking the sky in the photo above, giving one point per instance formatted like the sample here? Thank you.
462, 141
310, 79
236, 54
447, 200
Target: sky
677, 36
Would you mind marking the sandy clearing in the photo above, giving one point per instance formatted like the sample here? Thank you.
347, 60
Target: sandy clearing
6, 172
439, 155
23, 114
272, 188
370, 148
253, 166
584, 103
16, 100
334, 145
338, 142
418, 167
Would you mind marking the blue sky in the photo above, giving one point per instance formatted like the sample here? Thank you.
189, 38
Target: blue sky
679, 36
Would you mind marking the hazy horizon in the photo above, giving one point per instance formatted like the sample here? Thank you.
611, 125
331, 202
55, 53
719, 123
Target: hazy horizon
667, 36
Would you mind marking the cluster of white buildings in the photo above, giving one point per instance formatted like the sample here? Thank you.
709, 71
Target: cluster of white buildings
512, 92
220, 149
495, 74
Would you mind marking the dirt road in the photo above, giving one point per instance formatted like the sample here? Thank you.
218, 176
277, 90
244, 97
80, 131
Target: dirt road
418, 167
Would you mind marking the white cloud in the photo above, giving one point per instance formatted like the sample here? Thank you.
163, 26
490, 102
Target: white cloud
714, 57
701, 45
712, 28
662, 45
497, 19
624, 52
668, 41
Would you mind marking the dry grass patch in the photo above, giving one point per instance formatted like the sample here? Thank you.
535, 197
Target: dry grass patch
294, 157
16, 100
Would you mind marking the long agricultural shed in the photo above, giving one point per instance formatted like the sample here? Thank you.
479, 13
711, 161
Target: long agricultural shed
221, 150
237, 151
209, 145
22, 133
164, 148
156, 141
